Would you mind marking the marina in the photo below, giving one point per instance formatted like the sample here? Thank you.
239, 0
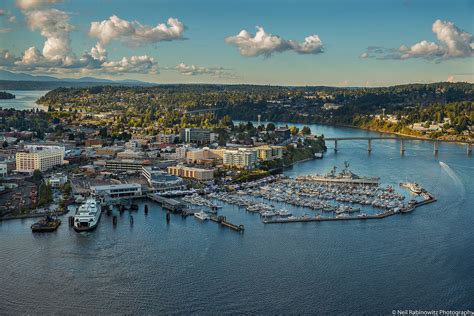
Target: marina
348, 199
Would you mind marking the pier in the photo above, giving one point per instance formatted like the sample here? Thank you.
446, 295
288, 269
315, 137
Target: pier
223, 222
167, 203
350, 218
402, 142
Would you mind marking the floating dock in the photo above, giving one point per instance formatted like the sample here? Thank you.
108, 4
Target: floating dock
350, 218
222, 220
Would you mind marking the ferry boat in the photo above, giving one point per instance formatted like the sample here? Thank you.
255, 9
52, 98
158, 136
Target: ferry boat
201, 215
87, 216
344, 177
412, 186
47, 224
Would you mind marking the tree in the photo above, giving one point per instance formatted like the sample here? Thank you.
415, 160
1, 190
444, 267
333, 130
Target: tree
37, 175
5, 144
306, 130
270, 127
294, 130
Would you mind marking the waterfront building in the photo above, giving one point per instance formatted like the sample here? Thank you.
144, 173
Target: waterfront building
195, 135
127, 190
161, 181
267, 153
243, 158
191, 172
37, 157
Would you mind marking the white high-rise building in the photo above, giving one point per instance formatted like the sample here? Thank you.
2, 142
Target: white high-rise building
242, 158
37, 157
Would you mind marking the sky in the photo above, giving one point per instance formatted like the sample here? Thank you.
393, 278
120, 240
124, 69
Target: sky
335, 43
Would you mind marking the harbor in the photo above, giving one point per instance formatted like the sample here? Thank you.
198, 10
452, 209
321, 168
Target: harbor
164, 258
332, 197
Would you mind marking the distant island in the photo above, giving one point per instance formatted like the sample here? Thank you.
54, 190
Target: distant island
6, 95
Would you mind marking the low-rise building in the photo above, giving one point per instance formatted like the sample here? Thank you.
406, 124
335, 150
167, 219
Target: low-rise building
113, 191
3, 170
126, 165
93, 142
165, 138
191, 172
283, 133
161, 181
57, 180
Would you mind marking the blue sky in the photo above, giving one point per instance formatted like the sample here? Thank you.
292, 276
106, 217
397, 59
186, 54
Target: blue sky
344, 29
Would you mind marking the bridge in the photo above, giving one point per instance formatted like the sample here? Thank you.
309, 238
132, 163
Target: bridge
402, 141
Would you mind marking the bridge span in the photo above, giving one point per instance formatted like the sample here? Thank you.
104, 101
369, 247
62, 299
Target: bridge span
402, 141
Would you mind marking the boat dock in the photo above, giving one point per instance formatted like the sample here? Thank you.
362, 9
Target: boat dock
167, 203
304, 219
222, 220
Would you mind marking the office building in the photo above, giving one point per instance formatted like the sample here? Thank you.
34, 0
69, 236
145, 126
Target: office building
191, 172
195, 135
36, 157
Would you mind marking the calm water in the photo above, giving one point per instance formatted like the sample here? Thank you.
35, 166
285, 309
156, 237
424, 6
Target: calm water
25, 100
422, 260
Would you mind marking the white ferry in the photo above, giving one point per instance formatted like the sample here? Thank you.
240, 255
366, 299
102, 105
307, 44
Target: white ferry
87, 216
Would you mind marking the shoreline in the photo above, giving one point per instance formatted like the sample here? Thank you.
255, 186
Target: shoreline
25, 216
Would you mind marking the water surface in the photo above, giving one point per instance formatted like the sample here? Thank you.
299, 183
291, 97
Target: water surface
422, 260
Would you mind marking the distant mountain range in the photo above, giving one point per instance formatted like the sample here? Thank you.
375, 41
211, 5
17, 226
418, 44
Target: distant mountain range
21, 81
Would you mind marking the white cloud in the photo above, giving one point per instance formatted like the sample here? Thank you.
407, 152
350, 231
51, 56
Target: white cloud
134, 33
266, 44
8, 16
193, 70
57, 56
32, 4
453, 43
311, 45
54, 26
98, 52
457, 43
133, 64
6, 58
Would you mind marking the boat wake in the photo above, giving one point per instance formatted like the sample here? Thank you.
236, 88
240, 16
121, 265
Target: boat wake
457, 181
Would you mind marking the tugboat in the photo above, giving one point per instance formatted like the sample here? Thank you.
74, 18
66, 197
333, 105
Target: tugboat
47, 224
